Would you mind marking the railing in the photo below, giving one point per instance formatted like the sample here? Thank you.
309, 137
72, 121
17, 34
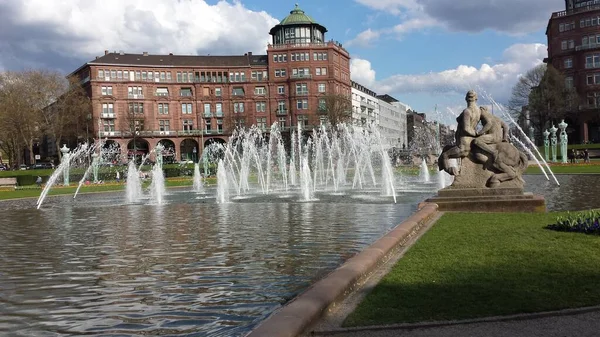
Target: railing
110, 133
207, 114
135, 96
301, 76
587, 46
107, 115
189, 133
162, 94
185, 94
219, 114
592, 66
575, 10
281, 112
302, 93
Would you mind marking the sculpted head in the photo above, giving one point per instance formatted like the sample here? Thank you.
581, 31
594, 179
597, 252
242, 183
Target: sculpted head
471, 96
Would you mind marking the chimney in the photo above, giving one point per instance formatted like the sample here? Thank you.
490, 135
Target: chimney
170, 54
250, 53
105, 51
145, 53
121, 52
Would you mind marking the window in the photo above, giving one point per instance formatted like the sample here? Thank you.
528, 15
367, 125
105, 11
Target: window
568, 63
219, 109
302, 104
113, 74
260, 91
186, 108
261, 122
164, 125
301, 89
322, 104
107, 91
281, 107
240, 123
281, 122
280, 89
162, 76
120, 74
592, 61
169, 79
217, 91
163, 108
238, 91
109, 125
188, 125
134, 92
126, 74
179, 76
238, 107
207, 110
593, 99
185, 92
261, 106
108, 108
280, 73
571, 44
162, 91
302, 120
185, 77
136, 108
101, 74
321, 87
319, 56
569, 82
144, 75
219, 126
259, 75
207, 125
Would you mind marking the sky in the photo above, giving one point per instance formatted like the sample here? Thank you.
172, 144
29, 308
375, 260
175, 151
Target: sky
425, 53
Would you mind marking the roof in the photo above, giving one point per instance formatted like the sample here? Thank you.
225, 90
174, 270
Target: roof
297, 17
387, 98
170, 60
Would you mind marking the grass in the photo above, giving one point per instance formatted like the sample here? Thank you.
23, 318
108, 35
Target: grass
581, 168
34, 192
477, 265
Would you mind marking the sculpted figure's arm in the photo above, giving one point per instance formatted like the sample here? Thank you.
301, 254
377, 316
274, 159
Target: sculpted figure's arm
505, 129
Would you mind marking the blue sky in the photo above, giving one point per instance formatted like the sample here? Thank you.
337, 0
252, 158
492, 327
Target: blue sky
423, 52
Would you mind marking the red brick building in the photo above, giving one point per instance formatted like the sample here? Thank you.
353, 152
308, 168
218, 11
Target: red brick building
574, 49
185, 102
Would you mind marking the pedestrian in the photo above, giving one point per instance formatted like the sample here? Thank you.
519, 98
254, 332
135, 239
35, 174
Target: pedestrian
38, 182
118, 177
586, 156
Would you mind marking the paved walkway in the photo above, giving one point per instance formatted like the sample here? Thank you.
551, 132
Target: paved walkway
581, 324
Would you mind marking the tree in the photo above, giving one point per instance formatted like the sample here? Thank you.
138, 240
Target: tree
337, 108
543, 91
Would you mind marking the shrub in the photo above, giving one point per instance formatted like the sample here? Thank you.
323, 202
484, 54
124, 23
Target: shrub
587, 222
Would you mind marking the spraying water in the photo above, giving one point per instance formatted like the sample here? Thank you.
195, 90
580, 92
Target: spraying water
197, 185
157, 187
133, 188
424, 171
222, 184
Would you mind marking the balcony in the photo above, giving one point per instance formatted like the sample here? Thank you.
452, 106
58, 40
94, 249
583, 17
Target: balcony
192, 133
588, 46
301, 76
135, 96
281, 112
219, 114
107, 115
302, 93
161, 94
110, 133
575, 10
207, 114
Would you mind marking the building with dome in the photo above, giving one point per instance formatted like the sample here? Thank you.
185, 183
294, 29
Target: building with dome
185, 102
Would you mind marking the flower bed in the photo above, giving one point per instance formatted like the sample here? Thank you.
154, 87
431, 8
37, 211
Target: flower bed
583, 222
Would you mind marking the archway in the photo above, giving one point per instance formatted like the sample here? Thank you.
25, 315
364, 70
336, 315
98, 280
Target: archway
137, 148
189, 150
168, 150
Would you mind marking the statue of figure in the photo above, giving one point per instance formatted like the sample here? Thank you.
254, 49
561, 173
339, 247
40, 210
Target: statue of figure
464, 135
488, 158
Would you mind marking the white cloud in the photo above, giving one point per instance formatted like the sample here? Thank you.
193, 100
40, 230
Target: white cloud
361, 72
495, 80
506, 16
84, 28
364, 39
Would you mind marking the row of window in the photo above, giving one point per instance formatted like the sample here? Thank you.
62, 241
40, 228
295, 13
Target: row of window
567, 44
563, 27
137, 92
108, 109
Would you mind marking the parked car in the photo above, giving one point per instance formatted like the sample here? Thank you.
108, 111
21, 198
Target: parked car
39, 166
23, 167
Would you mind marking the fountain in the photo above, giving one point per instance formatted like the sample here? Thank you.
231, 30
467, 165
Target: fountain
157, 186
133, 187
424, 171
197, 182
222, 184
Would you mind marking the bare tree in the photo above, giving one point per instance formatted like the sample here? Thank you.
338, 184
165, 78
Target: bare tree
523, 88
337, 107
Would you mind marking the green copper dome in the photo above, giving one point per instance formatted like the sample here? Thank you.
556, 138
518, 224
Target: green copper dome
297, 17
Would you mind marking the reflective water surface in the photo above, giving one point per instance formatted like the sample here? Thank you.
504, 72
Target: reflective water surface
97, 266
190, 267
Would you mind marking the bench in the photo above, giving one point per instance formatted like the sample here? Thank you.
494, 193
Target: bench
6, 183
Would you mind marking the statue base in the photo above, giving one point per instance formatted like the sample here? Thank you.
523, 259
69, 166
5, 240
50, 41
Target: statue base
466, 193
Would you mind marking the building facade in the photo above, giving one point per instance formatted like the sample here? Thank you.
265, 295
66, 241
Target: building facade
186, 102
392, 121
365, 105
574, 49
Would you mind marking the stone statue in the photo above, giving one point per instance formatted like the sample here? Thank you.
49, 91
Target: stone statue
488, 159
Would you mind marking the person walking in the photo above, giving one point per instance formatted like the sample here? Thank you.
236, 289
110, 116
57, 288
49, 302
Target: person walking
586, 156
38, 182
118, 177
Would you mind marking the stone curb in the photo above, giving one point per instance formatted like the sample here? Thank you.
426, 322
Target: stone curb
293, 318
436, 324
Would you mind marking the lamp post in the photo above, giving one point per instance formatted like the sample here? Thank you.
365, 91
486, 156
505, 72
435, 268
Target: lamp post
564, 141
532, 134
553, 140
65, 159
194, 151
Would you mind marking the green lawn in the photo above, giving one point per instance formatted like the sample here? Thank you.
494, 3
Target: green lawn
567, 169
472, 265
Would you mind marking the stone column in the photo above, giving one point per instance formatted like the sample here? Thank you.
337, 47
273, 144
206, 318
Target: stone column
563, 141
546, 145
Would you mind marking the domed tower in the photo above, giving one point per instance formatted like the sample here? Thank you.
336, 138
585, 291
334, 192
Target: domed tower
305, 71
298, 28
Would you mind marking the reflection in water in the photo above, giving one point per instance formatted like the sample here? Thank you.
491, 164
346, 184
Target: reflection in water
175, 269
576, 192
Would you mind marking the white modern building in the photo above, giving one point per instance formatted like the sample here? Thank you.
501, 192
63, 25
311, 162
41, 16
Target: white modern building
365, 105
392, 121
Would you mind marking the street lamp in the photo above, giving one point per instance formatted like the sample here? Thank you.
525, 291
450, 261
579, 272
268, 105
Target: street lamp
88, 118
